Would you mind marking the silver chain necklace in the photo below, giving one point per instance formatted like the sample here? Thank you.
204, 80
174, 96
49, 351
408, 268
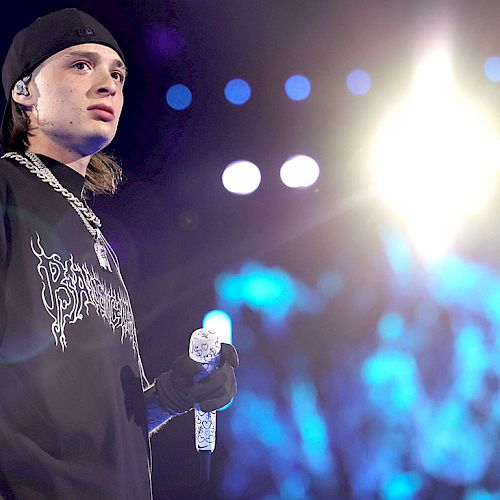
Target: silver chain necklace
87, 216
92, 223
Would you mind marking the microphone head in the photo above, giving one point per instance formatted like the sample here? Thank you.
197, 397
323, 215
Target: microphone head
204, 346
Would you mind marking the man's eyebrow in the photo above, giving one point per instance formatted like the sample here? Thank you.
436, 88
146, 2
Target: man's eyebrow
96, 56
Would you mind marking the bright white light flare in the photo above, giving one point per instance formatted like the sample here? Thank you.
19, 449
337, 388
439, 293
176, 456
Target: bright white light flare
436, 158
299, 171
241, 177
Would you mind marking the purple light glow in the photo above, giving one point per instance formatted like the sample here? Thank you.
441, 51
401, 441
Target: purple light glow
164, 42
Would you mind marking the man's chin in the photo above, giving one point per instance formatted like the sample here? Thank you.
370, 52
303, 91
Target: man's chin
85, 143
97, 142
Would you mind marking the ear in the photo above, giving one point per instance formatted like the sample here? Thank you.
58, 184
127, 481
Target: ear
26, 101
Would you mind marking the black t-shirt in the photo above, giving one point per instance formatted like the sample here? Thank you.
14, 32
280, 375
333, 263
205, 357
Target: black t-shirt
72, 416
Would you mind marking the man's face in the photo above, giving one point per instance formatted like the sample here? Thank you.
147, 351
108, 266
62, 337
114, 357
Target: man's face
78, 97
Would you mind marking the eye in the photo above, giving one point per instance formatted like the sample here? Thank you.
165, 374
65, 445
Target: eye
81, 65
118, 75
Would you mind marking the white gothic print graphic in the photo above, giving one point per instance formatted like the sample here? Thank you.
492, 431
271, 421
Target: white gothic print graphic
69, 289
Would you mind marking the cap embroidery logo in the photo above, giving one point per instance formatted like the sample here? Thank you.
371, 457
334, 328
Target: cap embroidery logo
85, 32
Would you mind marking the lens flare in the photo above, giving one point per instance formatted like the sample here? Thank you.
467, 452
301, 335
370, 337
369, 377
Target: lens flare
435, 158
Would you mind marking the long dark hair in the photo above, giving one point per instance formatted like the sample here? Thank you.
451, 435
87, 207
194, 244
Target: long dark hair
104, 174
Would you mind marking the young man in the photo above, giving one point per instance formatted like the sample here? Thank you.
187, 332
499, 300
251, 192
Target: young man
75, 405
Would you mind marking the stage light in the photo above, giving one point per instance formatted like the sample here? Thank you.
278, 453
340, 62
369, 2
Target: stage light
241, 177
179, 97
237, 91
403, 485
435, 158
391, 326
358, 82
221, 322
299, 171
298, 87
492, 68
311, 425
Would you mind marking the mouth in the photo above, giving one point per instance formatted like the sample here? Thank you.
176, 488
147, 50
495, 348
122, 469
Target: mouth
104, 112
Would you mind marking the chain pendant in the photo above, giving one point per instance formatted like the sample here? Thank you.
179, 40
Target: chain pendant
102, 255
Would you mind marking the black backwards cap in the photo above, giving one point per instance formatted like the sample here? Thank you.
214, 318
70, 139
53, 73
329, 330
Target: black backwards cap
44, 38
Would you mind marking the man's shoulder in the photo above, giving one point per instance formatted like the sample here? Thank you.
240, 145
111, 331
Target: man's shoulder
9, 168
13, 177
6, 173
7, 161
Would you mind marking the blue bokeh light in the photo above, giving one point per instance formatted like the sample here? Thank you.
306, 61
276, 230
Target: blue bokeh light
221, 322
359, 82
311, 425
392, 380
273, 293
481, 494
179, 97
449, 434
391, 326
403, 486
252, 408
413, 414
237, 91
293, 487
298, 87
269, 291
492, 68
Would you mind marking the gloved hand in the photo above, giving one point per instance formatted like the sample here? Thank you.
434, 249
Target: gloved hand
178, 391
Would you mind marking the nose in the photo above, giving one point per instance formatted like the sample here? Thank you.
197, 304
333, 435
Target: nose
106, 85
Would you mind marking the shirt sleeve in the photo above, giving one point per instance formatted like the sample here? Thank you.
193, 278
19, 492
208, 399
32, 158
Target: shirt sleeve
3, 251
157, 413
3, 221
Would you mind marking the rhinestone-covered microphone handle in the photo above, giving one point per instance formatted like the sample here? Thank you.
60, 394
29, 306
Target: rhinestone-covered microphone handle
204, 347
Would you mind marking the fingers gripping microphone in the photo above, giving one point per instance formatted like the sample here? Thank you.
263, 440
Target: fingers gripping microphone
204, 347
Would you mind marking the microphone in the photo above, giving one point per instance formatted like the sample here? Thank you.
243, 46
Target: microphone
204, 347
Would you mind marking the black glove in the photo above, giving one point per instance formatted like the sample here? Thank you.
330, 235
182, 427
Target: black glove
178, 391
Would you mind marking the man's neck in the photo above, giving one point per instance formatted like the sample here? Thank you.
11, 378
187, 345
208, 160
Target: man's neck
71, 158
